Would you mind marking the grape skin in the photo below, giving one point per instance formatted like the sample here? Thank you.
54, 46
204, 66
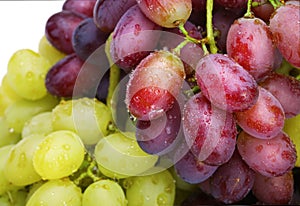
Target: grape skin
270, 157
82, 7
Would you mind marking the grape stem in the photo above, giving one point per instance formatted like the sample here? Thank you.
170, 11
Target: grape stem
209, 27
276, 3
249, 13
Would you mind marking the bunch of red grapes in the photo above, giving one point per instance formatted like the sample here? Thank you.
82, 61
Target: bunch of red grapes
204, 83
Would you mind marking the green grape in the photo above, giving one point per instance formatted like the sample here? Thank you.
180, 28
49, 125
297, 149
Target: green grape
14, 198
5, 185
152, 190
291, 127
121, 154
89, 118
7, 135
61, 192
59, 155
23, 110
26, 74
33, 187
49, 52
39, 124
19, 168
104, 193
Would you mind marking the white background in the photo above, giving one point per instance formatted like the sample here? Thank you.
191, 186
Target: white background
22, 25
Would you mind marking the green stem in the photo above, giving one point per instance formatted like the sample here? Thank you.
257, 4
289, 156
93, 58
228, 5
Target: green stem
276, 3
249, 14
180, 46
209, 27
114, 77
186, 34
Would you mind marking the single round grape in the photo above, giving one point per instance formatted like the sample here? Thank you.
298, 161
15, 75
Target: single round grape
8, 135
56, 192
106, 192
154, 85
269, 157
264, 10
23, 110
59, 155
166, 13
267, 189
225, 83
121, 154
270, 120
250, 43
291, 127
89, 118
5, 184
107, 13
155, 189
14, 198
39, 124
19, 168
49, 52
285, 27
59, 29
26, 72
81, 7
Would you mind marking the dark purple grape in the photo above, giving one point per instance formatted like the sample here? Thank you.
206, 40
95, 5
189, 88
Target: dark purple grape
264, 10
102, 89
190, 169
209, 132
159, 136
269, 157
133, 39
231, 182
274, 190
198, 198
87, 37
225, 83
287, 90
59, 30
233, 4
108, 12
85, 7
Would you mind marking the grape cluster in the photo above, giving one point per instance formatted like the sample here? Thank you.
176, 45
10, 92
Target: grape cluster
162, 102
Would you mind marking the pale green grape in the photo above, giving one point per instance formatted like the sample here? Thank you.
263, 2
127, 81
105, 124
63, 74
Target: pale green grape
7, 135
62, 192
13, 198
39, 124
26, 74
49, 52
5, 185
152, 190
292, 128
33, 187
19, 168
23, 110
59, 155
89, 118
121, 154
104, 193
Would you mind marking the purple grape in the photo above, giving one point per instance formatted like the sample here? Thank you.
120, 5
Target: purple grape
85, 7
264, 10
87, 37
190, 169
288, 95
233, 4
108, 12
133, 39
209, 132
59, 30
274, 190
263, 120
269, 157
231, 182
225, 83
159, 136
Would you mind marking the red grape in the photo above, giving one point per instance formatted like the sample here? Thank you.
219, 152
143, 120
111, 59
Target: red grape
274, 190
209, 132
154, 85
59, 29
265, 119
83, 7
264, 10
133, 39
285, 27
166, 13
249, 42
269, 157
225, 83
